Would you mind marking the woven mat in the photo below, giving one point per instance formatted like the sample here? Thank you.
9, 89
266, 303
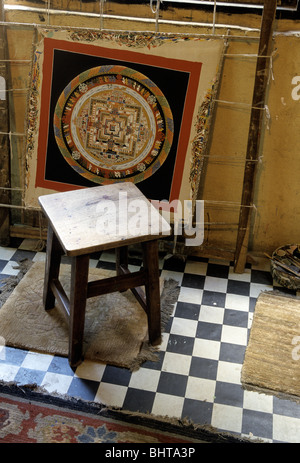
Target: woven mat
115, 325
272, 359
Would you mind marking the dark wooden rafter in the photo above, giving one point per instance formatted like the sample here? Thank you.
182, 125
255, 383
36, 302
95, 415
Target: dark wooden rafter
254, 135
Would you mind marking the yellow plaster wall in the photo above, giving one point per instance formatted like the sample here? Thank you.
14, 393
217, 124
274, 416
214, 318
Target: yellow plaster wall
278, 188
277, 214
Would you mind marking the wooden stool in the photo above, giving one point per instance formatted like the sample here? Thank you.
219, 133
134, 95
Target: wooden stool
88, 220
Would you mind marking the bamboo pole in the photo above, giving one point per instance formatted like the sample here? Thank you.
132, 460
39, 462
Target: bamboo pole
254, 135
4, 143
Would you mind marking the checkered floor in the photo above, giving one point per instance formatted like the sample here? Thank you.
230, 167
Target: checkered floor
201, 356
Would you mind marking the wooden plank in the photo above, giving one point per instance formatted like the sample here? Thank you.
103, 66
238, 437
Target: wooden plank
102, 217
254, 136
61, 297
53, 259
152, 290
78, 293
116, 283
137, 291
23, 231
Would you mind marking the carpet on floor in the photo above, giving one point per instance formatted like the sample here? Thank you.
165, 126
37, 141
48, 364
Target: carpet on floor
115, 325
30, 416
272, 359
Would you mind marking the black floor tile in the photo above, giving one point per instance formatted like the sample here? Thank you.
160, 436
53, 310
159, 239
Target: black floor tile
241, 288
187, 310
217, 270
211, 331
172, 384
213, 298
204, 368
235, 318
229, 394
193, 281
259, 424
180, 344
139, 401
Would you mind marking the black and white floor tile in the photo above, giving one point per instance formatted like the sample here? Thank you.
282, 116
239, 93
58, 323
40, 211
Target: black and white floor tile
201, 355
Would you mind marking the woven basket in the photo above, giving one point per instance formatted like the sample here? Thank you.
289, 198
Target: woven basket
282, 276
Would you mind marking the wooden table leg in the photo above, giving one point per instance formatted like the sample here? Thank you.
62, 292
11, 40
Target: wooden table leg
53, 258
121, 259
150, 250
78, 296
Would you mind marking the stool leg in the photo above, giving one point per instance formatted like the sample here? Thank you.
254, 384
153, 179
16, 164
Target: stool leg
78, 295
53, 258
152, 290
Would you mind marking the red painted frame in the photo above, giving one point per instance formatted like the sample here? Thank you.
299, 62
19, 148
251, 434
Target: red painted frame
193, 68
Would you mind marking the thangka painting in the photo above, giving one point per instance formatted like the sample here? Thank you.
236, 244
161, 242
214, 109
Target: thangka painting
114, 107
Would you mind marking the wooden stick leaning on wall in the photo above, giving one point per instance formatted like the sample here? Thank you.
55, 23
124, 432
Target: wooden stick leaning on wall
256, 119
4, 143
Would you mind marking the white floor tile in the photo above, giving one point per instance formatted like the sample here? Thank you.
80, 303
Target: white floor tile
2, 349
111, 394
229, 372
237, 302
108, 256
93, 263
234, 335
246, 276
164, 341
258, 402
226, 263
206, 348
11, 268
90, 370
286, 429
133, 268
250, 319
257, 288
170, 275
226, 417
176, 363
29, 245
192, 295
200, 389
39, 257
8, 372
197, 268
211, 314
216, 284
6, 253
145, 379
36, 361
167, 405
54, 382
184, 327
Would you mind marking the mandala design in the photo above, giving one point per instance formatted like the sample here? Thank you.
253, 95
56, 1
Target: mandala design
112, 123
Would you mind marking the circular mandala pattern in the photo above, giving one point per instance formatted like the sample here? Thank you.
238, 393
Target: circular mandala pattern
112, 123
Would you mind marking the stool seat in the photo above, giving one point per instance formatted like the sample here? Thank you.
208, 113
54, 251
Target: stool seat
84, 221
74, 216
